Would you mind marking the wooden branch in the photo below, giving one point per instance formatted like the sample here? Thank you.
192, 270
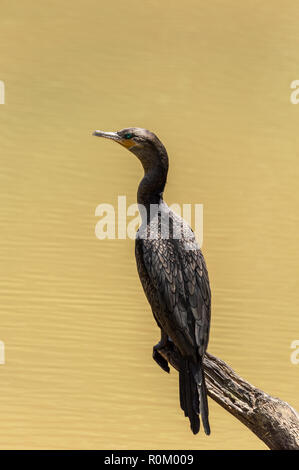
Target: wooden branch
274, 421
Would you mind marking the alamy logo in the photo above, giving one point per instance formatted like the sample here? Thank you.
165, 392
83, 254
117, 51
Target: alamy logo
114, 227
295, 353
2, 92
295, 94
2, 353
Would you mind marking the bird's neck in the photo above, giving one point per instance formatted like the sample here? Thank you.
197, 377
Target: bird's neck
151, 187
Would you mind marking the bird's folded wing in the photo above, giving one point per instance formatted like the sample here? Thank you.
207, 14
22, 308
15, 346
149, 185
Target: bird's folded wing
180, 278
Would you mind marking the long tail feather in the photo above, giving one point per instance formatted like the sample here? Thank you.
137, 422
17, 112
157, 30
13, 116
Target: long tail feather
193, 395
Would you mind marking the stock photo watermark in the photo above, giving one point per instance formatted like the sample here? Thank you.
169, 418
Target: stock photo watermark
294, 98
122, 222
2, 353
295, 353
2, 92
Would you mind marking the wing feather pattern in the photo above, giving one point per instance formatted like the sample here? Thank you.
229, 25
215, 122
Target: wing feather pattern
176, 283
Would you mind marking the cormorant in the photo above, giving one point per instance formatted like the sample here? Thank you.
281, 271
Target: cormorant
173, 273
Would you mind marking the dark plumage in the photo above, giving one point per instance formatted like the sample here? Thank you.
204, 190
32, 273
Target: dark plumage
173, 274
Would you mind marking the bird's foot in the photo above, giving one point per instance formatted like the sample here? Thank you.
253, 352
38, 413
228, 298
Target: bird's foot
160, 360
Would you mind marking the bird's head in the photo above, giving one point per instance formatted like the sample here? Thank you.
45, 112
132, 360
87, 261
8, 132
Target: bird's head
143, 143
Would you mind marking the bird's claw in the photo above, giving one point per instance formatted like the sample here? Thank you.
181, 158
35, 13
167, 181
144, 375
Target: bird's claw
160, 360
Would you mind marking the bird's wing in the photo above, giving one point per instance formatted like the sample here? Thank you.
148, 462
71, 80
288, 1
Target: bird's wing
181, 281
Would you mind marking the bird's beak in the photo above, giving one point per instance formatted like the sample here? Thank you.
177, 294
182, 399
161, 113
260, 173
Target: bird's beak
107, 135
128, 143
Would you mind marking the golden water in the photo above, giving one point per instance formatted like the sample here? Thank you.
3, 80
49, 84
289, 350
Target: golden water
212, 79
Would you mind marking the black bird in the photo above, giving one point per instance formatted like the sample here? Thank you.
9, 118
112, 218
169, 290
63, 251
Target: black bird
173, 274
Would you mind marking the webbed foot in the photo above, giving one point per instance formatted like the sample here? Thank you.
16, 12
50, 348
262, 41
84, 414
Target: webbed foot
160, 360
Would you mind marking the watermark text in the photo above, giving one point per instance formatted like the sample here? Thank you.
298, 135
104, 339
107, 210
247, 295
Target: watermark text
2, 353
295, 353
2, 92
161, 221
294, 98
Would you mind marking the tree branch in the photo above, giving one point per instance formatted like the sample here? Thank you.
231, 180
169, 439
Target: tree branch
274, 421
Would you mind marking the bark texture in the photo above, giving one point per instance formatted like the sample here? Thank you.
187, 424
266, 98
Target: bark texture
274, 421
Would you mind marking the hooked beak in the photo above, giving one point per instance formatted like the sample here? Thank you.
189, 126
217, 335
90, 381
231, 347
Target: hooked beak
107, 135
128, 143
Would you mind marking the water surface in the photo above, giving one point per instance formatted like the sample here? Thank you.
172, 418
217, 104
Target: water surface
213, 81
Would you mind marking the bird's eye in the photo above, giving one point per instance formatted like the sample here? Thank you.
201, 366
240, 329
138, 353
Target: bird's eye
128, 136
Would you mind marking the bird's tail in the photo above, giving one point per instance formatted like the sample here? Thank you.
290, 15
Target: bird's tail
193, 395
